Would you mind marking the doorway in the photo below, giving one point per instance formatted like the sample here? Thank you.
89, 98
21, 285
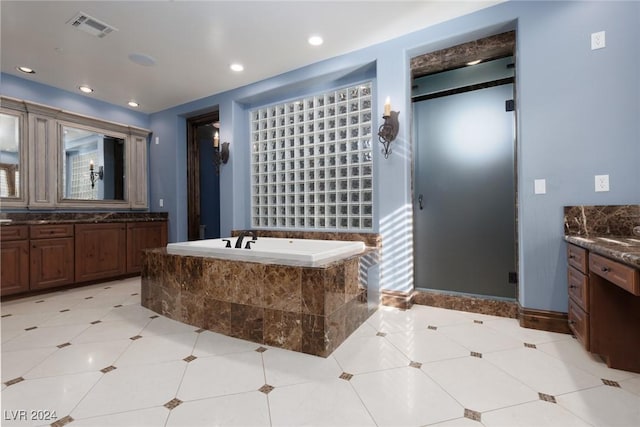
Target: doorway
464, 180
203, 183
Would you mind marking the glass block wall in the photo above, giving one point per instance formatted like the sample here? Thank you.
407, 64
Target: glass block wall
311, 162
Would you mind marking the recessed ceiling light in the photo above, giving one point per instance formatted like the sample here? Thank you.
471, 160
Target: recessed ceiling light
315, 40
85, 89
236, 67
26, 70
477, 61
133, 104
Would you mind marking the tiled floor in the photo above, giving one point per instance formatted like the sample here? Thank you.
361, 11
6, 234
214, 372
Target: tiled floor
93, 356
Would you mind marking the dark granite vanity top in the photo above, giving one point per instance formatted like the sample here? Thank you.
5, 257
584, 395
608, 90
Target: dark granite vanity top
37, 218
623, 249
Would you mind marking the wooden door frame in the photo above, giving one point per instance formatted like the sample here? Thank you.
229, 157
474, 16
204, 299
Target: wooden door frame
193, 172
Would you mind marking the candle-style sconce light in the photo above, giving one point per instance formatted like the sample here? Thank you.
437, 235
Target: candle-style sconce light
93, 175
220, 153
389, 129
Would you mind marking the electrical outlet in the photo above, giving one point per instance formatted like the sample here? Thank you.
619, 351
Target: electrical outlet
157, 140
161, 203
602, 183
598, 40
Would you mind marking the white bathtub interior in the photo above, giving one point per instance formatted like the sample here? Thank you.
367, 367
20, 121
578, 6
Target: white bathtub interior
271, 250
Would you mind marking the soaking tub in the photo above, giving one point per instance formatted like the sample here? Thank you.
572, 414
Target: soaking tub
271, 250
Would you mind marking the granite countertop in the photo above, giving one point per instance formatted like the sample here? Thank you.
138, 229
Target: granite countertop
625, 249
42, 218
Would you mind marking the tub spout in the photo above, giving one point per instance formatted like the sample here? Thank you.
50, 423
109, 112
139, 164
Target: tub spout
252, 233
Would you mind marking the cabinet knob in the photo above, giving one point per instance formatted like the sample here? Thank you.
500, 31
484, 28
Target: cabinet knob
572, 256
572, 286
572, 322
605, 269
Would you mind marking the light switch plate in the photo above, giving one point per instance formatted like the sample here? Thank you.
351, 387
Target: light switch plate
602, 183
540, 186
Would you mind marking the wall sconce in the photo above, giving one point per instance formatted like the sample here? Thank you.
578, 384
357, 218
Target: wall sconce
220, 154
93, 175
389, 129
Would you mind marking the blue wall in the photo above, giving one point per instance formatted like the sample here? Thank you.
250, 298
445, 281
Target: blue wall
578, 115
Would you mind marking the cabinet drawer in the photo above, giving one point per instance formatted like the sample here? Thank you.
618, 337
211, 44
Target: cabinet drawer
619, 274
13, 232
579, 288
577, 257
51, 231
579, 323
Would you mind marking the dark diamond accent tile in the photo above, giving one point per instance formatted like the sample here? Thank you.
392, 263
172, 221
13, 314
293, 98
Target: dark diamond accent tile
190, 358
31, 328
108, 369
63, 421
610, 383
108, 287
345, 376
266, 389
198, 331
38, 302
6, 315
14, 381
117, 306
415, 365
88, 298
433, 328
134, 294
63, 345
65, 310
480, 322
381, 334
530, 345
155, 316
137, 337
547, 397
472, 415
95, 322
261, 349
476, 354
173, 403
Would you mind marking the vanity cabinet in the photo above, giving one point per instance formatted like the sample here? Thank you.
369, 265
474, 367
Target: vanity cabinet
14, 260
100, 251
140, 236
51, 255
578, 282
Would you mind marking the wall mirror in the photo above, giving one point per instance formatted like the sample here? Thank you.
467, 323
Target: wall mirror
93, 164
9, 155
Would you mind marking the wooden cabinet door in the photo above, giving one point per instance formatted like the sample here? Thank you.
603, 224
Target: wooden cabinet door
51, 262
143, 235
14, 270
100, 251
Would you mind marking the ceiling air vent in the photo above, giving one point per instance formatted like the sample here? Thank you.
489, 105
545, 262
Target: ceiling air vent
91, 25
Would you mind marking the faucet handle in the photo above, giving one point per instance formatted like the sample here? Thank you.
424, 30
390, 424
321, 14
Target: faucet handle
228, 245
248, 245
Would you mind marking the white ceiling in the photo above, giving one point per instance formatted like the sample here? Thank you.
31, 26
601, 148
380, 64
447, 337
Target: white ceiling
194, 42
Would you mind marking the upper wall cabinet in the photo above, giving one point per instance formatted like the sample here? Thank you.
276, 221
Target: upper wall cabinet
70, 161
13, 157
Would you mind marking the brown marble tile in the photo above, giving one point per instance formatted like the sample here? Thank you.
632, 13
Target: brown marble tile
283, 288
217, 316
218, 279
334, 288
312, 290
335, 329
248, 285
283, 329
369, 239
192, 309
615, 220
314, 340
247, 322
351, 278
467, 303
191, 274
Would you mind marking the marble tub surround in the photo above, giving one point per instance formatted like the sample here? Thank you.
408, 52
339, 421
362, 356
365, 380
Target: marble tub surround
306, 309
469, 303
589, 221
37, 218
